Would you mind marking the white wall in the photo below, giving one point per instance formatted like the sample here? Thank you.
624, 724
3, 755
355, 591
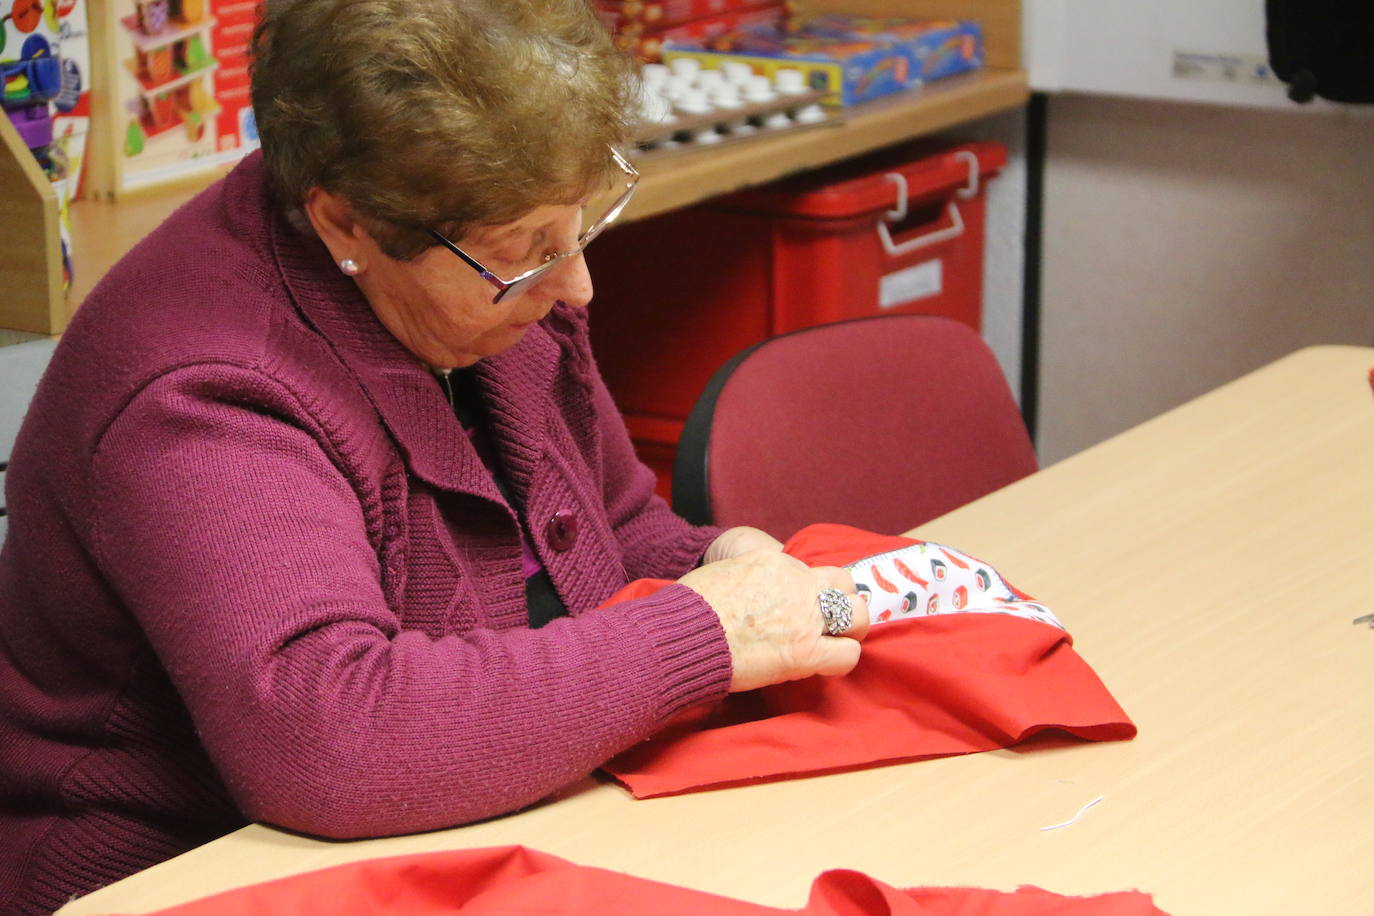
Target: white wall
1185, 50
1186, 244
1004, 254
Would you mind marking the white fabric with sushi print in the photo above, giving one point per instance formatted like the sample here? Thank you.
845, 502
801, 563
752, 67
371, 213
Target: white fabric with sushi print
927, 579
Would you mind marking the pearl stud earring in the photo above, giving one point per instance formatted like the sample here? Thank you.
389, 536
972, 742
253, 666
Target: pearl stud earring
350, 267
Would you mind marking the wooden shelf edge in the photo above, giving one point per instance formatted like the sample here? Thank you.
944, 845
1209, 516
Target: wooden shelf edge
31, 297
691, 176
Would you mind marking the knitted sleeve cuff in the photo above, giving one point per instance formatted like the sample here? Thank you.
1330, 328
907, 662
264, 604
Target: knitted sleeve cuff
689, 643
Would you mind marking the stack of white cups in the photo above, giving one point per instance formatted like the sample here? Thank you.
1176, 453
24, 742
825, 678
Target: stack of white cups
684, 87
793, 82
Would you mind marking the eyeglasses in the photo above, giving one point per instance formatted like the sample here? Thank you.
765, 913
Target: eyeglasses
517, 285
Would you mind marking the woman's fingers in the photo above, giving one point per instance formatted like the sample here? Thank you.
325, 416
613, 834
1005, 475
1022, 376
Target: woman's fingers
769, 606
836, 655
839, 579
835, 577
859, 630
735, 542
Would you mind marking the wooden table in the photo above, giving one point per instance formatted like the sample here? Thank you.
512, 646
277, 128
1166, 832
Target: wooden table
1209, 563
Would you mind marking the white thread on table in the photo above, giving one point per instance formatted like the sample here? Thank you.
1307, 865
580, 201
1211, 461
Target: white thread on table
1074, 819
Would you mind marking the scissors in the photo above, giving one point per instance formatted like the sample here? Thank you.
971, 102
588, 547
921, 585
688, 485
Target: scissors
1367, 618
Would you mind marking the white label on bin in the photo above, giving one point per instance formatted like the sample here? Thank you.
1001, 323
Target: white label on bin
911, 283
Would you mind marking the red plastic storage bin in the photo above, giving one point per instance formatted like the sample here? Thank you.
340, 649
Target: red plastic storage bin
678, 295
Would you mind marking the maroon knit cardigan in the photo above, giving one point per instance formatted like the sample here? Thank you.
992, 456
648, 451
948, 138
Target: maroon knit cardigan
255, 570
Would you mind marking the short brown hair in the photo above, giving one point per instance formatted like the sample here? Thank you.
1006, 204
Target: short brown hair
437, 113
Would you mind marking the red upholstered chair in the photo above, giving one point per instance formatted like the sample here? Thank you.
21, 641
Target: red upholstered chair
882, 423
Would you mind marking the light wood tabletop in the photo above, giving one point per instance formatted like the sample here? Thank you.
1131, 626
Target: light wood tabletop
1209, 564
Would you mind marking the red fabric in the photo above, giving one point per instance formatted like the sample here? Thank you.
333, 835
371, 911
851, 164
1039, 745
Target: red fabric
513, 879
924, 687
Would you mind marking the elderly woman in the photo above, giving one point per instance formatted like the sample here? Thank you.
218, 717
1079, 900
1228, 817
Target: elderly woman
316, 511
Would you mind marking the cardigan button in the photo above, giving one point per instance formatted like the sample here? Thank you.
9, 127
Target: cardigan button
561, 531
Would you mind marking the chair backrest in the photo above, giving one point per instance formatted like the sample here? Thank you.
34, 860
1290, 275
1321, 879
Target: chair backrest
882, 423
21, 366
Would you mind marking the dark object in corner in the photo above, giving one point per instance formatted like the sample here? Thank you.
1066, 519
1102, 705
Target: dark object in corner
1322, 48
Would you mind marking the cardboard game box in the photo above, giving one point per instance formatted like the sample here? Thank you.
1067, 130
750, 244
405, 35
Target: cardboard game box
178, 100
648, 44
853, 59
937, 47
634, 17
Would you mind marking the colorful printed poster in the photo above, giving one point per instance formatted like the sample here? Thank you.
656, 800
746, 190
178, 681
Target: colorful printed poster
183, 84
232, 37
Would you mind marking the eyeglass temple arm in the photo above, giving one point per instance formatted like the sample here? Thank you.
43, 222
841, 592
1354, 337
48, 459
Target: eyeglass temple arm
623, 163
468, 259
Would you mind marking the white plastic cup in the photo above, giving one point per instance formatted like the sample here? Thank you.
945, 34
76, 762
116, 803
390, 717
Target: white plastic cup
655, 109
737, 72
810, 114
790, 82
759, 89
776, 121
685, 66
693, 101
710, 79
675, 85
725, 96
654, 75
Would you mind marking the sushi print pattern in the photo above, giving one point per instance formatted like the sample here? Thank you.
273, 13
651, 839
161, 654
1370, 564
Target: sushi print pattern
926, 579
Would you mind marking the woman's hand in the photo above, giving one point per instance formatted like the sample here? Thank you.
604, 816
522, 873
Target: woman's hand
768, 604
736, 542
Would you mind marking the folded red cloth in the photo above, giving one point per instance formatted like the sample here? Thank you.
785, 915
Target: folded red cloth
513, 879
926, 686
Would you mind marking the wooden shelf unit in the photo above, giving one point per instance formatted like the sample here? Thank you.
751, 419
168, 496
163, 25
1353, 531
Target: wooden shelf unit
31, 294
690, 175
103, 231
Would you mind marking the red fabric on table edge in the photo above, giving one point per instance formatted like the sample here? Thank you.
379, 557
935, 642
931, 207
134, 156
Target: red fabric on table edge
514, 879
925, 687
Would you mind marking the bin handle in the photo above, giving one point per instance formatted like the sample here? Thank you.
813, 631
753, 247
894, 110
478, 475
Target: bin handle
952, 231
899, 212
968, 191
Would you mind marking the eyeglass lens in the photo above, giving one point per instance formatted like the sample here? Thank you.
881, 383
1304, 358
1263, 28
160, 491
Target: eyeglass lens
601, 209
599, 212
